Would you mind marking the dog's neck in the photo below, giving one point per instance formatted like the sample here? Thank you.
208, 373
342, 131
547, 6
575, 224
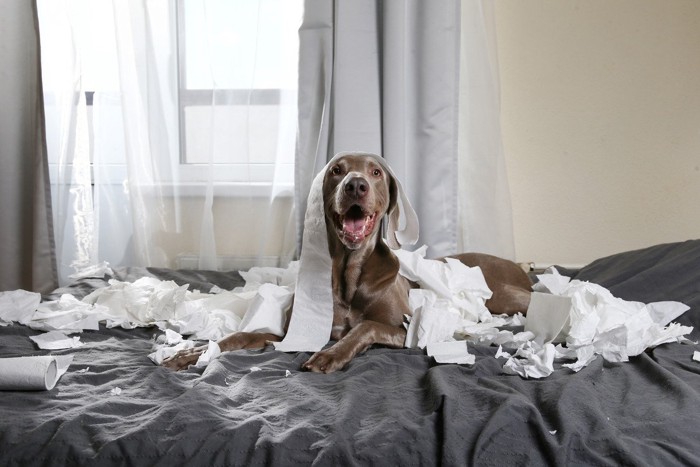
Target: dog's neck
348, 263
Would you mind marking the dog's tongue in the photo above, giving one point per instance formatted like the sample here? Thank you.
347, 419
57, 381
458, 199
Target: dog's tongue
353, 225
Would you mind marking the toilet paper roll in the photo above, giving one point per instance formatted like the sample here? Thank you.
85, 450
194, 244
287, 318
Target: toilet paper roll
38, 373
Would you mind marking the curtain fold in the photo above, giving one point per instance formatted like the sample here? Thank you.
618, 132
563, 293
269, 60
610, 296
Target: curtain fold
26, 241
415, 82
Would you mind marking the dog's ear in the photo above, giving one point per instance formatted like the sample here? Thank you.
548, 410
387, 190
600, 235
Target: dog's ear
393, 212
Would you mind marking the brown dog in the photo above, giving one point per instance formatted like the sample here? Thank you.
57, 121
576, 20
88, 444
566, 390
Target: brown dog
370, 297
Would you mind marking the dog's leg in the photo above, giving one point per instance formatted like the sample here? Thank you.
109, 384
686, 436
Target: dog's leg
238, 340
509, 299
355, 341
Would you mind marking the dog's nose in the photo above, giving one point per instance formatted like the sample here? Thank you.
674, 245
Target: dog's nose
357, 187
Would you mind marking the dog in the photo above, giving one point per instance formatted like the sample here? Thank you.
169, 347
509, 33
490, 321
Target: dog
370, 297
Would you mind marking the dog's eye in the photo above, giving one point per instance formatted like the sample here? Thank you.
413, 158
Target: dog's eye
377, 172
335, 170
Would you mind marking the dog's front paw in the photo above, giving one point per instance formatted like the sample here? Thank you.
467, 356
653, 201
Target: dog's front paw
326, 361
184, 358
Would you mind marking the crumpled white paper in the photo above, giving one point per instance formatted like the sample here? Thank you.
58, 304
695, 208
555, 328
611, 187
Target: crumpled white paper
18, 305
450, 352
97, 270
260, 306
451, 305
56, 340
213, 351
531, 360
163, 351
584, 316
616, 329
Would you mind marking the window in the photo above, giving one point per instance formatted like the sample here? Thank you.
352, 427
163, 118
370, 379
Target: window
238, 89
230, 92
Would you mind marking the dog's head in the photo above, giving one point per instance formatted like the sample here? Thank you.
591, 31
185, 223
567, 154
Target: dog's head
358, 192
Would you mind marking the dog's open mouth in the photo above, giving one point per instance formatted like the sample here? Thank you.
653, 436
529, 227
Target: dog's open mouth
355, 225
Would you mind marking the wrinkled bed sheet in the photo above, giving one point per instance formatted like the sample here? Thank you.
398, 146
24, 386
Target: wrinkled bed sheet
387, 406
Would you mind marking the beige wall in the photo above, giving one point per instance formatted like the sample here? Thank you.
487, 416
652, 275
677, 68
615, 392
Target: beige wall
601, 124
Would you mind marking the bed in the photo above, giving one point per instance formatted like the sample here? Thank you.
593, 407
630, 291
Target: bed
388, 407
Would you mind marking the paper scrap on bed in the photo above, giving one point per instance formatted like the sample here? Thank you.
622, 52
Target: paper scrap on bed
567, 320
585, 317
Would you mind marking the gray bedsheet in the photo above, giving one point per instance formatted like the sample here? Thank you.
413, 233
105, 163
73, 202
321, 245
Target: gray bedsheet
388, 407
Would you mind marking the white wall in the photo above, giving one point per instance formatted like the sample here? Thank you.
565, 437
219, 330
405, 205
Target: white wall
601, 124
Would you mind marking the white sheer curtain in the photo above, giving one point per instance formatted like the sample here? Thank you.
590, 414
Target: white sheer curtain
414, 81
171, 125
171, 131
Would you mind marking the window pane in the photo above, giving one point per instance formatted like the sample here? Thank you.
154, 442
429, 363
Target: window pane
240, 44
238, 80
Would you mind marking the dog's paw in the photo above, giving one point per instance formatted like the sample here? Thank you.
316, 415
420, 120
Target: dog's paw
325, 361
184, 358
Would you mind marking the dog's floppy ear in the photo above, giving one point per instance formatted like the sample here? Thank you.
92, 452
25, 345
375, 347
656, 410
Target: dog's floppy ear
393, 213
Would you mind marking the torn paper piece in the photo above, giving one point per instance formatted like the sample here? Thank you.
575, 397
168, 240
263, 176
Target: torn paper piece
287, 373
531, 361
56, 340
602, 324
18, 305
696, 356
583, 356
67, 314
450, 352
163, 351
170, 337
253, 369
37, 373
284, 277
144, 301
116, 391
211, 317
213, 351
489, 333
548, 317
268, 311
502, 353
215, 289
551, 282
434, 319
96, 270
663, 313
62, 363
464, 287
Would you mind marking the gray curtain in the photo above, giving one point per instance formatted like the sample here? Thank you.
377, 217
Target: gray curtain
26, 243
383, 77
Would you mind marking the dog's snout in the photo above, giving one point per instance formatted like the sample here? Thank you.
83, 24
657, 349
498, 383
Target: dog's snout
356, 187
